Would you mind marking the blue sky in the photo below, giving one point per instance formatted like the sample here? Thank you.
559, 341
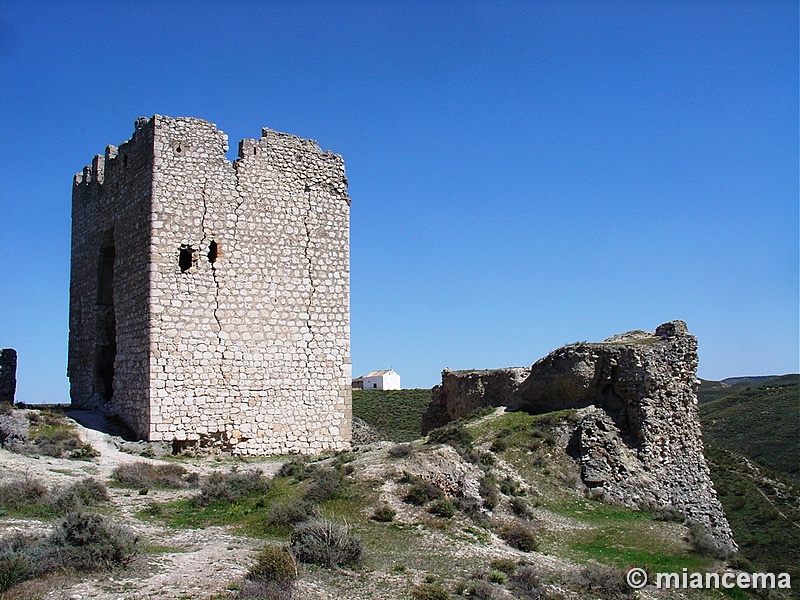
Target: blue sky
522, 174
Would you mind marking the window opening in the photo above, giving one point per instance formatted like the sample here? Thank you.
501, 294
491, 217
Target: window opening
213, 252
185, 258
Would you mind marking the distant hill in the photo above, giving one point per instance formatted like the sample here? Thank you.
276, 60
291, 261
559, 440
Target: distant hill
756, 417
763, 508
395, 414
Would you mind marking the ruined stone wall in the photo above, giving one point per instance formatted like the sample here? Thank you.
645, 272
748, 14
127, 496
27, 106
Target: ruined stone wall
247, 282
8, 375
636, 436
461, 393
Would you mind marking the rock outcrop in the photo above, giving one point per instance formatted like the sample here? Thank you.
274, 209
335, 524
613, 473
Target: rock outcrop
637, 438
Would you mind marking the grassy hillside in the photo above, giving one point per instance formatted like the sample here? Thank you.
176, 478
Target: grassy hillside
395, 414
763, 509
758, 420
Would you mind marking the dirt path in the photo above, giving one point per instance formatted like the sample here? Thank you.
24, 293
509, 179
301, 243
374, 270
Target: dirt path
178, 563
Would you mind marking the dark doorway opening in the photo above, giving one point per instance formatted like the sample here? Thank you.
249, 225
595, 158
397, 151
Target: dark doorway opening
105, 352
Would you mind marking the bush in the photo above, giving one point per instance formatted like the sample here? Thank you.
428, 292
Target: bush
326, 543
510, 487
92, 543
16, 565
22, 493
30, 493
149, 475
86, 492
488, 491
504, 565
485, 591
326, 485
291, 513
520, 536
421, 493
454, 434
401, 450
607, 581
264, 590
52, 435
296, 468
384, 514
520, 507
704, 543
497, 577
498, 445
272, 577
82, 542
443, 508
528, 579
231, 487
429, 591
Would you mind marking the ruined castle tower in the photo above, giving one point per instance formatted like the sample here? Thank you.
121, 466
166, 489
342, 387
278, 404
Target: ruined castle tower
209, 301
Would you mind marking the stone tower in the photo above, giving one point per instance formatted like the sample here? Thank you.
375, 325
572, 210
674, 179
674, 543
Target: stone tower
209, 301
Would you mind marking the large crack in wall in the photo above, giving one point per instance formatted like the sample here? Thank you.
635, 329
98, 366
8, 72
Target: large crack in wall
307, 254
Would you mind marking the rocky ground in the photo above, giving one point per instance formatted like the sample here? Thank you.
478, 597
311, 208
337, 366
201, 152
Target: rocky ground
525, 459
189, 563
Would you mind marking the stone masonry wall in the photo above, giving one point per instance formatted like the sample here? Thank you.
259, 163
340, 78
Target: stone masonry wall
8, 375
637, 434
246, 337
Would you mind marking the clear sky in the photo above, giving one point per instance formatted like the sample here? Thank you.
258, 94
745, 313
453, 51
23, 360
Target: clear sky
523, 174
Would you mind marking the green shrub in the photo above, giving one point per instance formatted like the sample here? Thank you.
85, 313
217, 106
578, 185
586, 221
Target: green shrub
326, 543
487, 488
297, 468
510, 487
498, 445
421, 493
429, 591
454, 434
272, 577
520, 536
327, 484
483, 590
51, 434
496, 576
21, 493
86, 492
443, 508
231, 487
148, 475
291, 513
520, 507
384, 514
504, 565
607, 581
